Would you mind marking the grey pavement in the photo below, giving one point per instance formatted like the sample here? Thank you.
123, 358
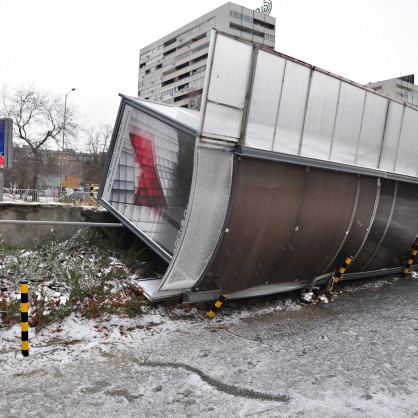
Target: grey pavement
354, 357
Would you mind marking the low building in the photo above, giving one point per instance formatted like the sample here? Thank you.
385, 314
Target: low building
400, 88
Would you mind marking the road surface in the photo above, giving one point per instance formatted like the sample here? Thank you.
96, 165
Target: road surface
266, 357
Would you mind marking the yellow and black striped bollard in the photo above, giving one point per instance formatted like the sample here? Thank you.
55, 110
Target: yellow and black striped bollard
92, 192
216, 306
410, 259
337, 276
24, 316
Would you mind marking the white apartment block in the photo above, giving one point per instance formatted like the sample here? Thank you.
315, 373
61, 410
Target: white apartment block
172, 69
401, 88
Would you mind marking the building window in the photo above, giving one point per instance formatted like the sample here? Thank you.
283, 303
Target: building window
208, 23
241, 16
263, 24
251, 31
192, 51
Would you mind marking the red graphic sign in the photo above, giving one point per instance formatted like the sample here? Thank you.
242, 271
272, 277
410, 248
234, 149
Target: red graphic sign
150, 192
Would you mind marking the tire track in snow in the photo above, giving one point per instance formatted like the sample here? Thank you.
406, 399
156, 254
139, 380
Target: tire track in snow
223, 387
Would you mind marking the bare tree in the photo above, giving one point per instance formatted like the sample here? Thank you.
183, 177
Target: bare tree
38, 120
97, 143
20, 175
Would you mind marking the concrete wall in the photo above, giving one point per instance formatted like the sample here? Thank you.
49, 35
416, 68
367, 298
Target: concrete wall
23, 235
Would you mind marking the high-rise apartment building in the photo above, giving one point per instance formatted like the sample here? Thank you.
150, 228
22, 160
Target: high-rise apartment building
401, 88
172, 69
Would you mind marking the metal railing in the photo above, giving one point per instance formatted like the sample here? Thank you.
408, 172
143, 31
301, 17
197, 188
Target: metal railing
47, 196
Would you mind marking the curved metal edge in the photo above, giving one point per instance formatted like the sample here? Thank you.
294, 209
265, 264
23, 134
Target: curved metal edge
327, 165
395, 194
226, 223
184, 225
369, 227
190, 260
350, 224
157, 115
125, 100
265, 290
62, 223
156, 248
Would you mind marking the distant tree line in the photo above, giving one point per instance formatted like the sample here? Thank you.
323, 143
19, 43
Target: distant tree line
38, 127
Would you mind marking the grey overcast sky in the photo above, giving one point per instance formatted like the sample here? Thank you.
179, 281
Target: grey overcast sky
93, 45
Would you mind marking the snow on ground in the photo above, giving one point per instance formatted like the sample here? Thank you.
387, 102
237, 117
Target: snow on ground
268, 357
79, 335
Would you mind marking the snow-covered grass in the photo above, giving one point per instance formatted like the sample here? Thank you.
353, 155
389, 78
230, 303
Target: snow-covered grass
81, 275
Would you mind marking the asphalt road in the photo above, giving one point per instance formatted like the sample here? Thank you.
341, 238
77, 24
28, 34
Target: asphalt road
354, 357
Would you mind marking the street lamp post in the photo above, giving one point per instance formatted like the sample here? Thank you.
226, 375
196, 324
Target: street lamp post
63, 139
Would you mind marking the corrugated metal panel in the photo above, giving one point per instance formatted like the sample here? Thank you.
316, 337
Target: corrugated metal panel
320, 116
407, 158
227, 91
372, 128
348, 124
292, 109
270, 101
265, 101
392, 135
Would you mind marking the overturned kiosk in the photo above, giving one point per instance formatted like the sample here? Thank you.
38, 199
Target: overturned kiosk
286, 171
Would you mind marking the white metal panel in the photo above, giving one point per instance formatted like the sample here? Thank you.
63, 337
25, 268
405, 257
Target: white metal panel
223, 121
320, 116
371, 135
186, 117
292, 108
230, 71
391, 138
117, 156
227, 87
265, 101
348, 123
407, 158
206, 216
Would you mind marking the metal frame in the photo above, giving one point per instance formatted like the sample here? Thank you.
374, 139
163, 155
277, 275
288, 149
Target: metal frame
62, 223
136, 104
368, 94
250, 244
328, 165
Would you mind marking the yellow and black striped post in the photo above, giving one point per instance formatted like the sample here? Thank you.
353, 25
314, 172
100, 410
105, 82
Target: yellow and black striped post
410, 259
216, 306
91, 191
337, 275
24, 316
